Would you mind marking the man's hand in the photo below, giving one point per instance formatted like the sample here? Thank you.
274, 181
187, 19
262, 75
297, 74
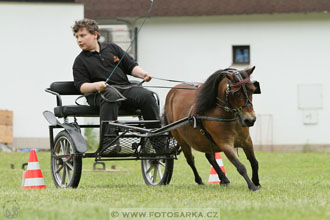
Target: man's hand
93, 87
140, 73
100, 86
147, 77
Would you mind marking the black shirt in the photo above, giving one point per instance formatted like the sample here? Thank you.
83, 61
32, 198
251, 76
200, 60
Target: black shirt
93, 66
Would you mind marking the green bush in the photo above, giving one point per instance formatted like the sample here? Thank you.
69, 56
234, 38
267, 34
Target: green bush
91, 138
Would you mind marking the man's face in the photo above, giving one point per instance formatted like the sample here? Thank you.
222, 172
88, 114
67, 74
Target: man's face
86, 40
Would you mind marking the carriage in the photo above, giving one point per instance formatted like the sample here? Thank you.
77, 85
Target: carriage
133, 141
210, 117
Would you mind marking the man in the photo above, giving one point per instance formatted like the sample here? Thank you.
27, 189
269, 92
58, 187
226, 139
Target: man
93, 66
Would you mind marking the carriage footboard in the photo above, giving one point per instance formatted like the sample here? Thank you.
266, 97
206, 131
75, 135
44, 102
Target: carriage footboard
133, 140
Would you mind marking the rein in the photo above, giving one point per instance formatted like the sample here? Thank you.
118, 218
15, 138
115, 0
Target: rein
140, 85
135, 36
178, 81
124, 86
123, 98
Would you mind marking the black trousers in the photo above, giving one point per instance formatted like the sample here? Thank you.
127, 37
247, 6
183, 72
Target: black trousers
137, 98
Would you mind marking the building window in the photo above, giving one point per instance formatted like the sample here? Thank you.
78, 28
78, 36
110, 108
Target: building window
241, 54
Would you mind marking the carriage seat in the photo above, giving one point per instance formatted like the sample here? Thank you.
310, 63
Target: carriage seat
67, 88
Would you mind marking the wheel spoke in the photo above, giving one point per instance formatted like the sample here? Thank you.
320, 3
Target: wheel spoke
59, 169
160, 172
154, 178
68, 172
69, 165
62, 146
66, 147
69, 160
162, 163
149, 170
63, 177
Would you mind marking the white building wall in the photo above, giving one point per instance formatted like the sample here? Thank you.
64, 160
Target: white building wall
287, 50
37, 47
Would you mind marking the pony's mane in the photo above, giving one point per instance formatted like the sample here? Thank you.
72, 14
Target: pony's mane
207, 93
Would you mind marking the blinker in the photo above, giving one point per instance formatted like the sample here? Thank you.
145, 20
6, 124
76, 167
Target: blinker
257, 85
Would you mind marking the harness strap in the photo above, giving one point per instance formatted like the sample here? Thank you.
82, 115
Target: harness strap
186, 120
207, 135
197, 122
217, 119
170, 127
241, 82
192, 117
227, 108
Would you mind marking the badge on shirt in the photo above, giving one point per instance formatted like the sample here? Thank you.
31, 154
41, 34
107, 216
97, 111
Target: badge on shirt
115, 59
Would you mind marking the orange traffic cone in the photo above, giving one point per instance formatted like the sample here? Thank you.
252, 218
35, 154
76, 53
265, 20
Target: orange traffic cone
214, 178
32, 177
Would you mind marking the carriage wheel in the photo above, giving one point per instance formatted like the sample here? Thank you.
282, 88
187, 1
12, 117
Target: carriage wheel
157, 171
65, 167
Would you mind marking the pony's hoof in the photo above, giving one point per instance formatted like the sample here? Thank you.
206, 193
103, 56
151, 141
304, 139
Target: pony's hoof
199, 181
259, 186
254, 189
224, 184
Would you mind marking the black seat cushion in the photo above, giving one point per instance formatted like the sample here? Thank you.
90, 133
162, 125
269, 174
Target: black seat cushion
88, 111
64, 88
68, 88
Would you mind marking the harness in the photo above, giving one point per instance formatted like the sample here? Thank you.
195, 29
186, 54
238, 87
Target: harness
196, 120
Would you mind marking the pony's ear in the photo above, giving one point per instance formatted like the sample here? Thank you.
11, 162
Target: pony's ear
230, 76
249, 71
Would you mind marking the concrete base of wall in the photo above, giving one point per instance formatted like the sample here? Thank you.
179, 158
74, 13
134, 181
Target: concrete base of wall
43, 144
294, 148
24, 143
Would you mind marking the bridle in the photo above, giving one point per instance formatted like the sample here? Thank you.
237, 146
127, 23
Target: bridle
233, 88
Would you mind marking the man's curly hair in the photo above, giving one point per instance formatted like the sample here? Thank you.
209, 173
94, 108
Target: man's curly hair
89, 24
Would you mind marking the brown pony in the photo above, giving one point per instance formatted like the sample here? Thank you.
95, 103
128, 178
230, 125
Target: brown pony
223, 111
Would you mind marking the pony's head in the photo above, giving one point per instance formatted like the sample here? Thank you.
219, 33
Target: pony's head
230, 90
238, 95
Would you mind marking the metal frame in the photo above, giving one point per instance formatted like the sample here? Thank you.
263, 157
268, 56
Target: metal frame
128, 126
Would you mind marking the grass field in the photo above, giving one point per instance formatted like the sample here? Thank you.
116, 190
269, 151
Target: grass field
294, 186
